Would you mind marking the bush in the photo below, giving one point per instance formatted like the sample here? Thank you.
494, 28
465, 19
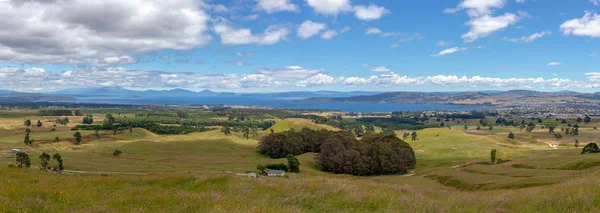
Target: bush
280, 166
116, 153
590, 148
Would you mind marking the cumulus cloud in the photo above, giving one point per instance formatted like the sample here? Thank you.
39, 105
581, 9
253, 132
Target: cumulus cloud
318, 79
369, 13
595, 2
588, 25
477, 8
593, 54
273, 6
450, 51
329, 34
530, 38
78, 31
523, 1
485, 25
330, 7
240, 36
554, 64
309, 29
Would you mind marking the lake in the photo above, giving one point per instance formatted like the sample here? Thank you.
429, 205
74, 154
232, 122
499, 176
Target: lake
289, 103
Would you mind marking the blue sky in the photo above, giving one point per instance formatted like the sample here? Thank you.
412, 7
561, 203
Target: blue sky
283, 45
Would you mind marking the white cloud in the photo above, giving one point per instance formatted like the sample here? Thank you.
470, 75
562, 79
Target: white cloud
330, 7
595, 2
240, 36
329, 34
554, 64
442, 43
309, 29
377, 31
588, 25
251, 17
244, 54
520, 1
485, 25
317, 79
476, 8
80, 31
381, 69
219, 8
369, 13
14, 78
450, 51
291, 72
345, 29
108, 61
593, 54
530, 38
370, 31
273, 6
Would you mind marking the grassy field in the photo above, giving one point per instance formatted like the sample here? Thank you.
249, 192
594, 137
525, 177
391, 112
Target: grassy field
197, 173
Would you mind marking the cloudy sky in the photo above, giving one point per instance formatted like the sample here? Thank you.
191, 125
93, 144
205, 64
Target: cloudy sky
285, 45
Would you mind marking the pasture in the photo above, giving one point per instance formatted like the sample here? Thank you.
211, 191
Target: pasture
196, 173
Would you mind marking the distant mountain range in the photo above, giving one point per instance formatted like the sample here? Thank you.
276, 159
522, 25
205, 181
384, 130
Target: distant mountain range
469, 98
125, 93
489, 97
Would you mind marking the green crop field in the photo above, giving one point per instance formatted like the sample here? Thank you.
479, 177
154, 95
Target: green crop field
196, 172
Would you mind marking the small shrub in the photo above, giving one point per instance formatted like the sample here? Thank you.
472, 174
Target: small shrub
116, 153
53, 129
11, 166
590, 148
493, 156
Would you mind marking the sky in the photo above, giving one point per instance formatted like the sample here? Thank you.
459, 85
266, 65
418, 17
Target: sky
300, 45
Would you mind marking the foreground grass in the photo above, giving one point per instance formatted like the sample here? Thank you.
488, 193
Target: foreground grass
28, 190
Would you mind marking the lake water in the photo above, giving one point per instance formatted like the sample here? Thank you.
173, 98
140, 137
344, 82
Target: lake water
289, 103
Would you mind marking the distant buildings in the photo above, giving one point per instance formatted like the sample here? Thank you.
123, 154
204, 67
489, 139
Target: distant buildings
275, 173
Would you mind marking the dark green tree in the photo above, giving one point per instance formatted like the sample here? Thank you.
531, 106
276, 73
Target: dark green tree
44, 159
511, 136
77, 136
27, 140
23, 160
27, 123
414, 136
587, 119
39, 123
58, 158
293, 163
116, 153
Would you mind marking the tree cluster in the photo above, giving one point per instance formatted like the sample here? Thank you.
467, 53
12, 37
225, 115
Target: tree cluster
279, 145
374, 154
